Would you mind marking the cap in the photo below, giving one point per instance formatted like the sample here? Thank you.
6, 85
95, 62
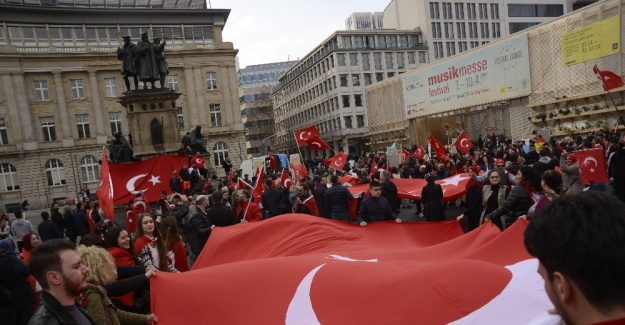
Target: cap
499, 161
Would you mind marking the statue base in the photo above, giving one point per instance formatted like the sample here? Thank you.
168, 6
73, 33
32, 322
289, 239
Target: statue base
153, 120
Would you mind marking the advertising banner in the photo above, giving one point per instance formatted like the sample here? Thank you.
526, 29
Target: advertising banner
489, 74
592, 42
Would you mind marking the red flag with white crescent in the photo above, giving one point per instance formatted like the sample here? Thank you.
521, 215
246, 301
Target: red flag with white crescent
305, 134
338, 161
609, 79
299, 171
259, 187
315, 143
242, 185
405, 155
592, 165
437, 146
285, 180
463, 143
373, 169
105, 192
418, 153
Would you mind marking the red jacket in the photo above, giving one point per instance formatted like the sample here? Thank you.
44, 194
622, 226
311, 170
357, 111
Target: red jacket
253, 212
123, 258
180, 258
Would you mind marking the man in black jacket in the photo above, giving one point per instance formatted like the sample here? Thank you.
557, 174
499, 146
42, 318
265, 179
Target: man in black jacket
57, 218
219, 214
375, 207
389, 191
62, 275
272, 200
337, 197
320, 196
200, 228
545, 162
47, 229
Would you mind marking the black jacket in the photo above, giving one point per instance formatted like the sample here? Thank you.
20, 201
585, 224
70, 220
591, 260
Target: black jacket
320, 198
70, 227
517, 204
47, 230
389, 191
80, 222
337, 197
57, 218
199, 231
13, 273
51, 312
272, 201
372, 209
221, 216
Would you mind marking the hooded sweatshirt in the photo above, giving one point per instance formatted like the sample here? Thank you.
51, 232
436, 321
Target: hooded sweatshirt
21, 227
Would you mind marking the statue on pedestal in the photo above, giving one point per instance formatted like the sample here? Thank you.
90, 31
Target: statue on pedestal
119, 149
146, 61
161, 63
198, 143
127, 54
143, 61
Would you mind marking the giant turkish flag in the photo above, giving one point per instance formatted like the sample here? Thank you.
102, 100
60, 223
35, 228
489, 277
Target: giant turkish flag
148, 176
298, 269
453, 187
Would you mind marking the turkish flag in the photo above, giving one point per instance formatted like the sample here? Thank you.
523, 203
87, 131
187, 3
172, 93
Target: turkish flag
273, 162
592, 165
437, 146
259, 187
299, 171
463, 143
373, 169
405, 155
243, 185
338, 161
309, 203
348, 179
609, 79
453, 187
315, 143
308, 264
418, 154
148, 176
285, 180
305, 134
105, 191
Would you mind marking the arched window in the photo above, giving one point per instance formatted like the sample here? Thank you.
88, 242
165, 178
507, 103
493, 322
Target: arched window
220, 152
55, 172
90, 169
8, 178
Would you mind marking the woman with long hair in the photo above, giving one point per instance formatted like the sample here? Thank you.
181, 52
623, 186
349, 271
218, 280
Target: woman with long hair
29, 241
521, 197
174, 244
494, 194
486, 164
571, 175
95, 299
552, 188
150, 250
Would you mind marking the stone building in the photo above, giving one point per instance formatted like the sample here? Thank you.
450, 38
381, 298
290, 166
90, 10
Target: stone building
60, 82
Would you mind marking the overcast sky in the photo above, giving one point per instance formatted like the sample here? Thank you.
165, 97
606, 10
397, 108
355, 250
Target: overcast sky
266, 31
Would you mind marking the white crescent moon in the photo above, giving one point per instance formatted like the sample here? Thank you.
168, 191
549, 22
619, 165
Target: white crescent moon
317, 144
300, 309
462, 145
301, 136
590, 159
338, 162
110, 187
130, 185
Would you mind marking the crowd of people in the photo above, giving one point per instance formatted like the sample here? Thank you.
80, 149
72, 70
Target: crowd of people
105, 279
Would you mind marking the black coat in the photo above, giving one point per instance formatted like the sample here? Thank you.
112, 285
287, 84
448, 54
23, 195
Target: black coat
221, 216
70, 227
13, 273
372, 209
47, 230
432, 198
389, 191
199, 231
337, 197
57, 218
272, 201
51, 312
320, 198
517, 204
80, 221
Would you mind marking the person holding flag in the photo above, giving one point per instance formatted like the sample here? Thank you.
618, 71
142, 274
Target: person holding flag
247, 211
305, 203
337, 197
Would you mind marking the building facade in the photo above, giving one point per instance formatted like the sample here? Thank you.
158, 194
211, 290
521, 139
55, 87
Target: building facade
261, 75
365, 21
60, 84
326, 88
454, 27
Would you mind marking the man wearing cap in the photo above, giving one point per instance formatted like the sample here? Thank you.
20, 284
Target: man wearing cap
507, 179
127, 55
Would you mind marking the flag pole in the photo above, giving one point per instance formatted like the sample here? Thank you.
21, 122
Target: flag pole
620, 117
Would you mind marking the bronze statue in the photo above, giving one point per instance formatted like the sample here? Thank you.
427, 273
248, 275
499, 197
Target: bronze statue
127, 54
146, 61
161, 63
156, 129
119, 149
198, 143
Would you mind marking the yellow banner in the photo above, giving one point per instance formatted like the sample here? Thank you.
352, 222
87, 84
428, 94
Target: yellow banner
592, 42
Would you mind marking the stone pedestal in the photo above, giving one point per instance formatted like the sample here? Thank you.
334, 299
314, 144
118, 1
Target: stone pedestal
146, 109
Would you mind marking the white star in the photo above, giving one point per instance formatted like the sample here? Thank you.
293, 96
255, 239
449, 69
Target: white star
592, 170
154, 180
453, 180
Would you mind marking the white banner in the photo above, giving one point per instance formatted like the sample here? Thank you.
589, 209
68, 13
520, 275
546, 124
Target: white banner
496, 72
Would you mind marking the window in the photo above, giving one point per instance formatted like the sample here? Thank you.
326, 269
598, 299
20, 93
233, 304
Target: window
411, 58
348, 122
494, 10
367, 77
343, 79
345, 100
483, 11
381, 42
421, 56
341, 59
55, 172
436, 30
211, 80
400, 60
4, 139
389, 60
449, 30
473, 30
69, 36
82, 124
438, 50
403, 41
471, 10
365, 61
451, 48
90, 169
110, 87
358, 43
519, 10
353, 59
517, 27
47, 128
360, 121
215, 112
358, 100
377, 60
379, 76
462, 47
474, 44
390, 74
434, 13
8, 178
391, 41
496, 30
41, 90
459, 10
77, 88
447, 10
461, 29
347, 42
355, 80
115, 119
220, 152
180, 117
173, 83
484, 30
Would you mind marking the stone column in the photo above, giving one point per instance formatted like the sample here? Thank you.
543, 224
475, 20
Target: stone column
97, 107
200, 88
194, 118
68, 141
346, 146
